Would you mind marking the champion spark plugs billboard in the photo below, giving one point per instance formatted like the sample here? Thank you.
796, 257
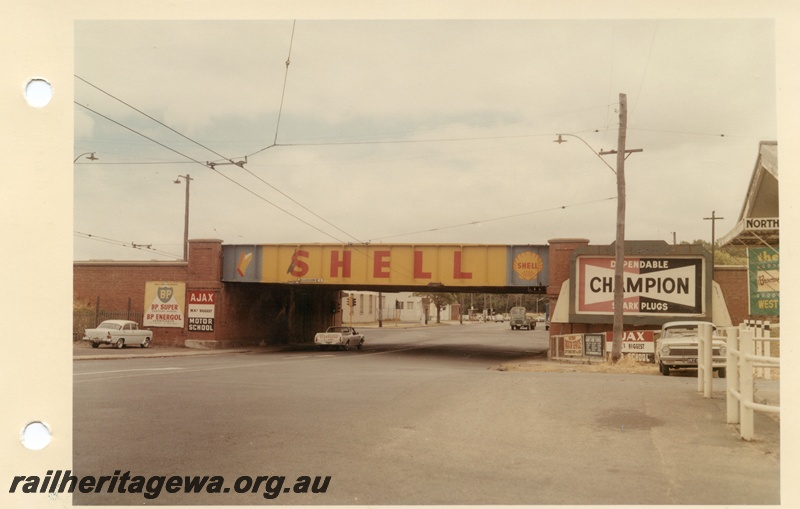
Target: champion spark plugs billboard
661, 286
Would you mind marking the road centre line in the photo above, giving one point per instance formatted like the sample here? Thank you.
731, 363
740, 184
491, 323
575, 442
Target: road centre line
169, 371
122, 371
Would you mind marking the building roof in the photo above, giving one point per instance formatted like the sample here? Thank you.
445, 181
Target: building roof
758, 220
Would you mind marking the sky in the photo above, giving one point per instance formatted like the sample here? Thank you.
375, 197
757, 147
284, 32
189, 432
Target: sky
413, 131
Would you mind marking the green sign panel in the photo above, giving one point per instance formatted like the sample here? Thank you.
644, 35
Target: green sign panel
764, 275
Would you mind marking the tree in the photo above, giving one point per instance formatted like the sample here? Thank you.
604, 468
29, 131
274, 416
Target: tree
438, 299
728, 255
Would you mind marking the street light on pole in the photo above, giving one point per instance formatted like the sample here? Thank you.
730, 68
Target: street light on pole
187, 178
90, 154
619, 244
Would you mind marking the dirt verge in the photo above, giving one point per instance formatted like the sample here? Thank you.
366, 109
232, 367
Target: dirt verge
625, 365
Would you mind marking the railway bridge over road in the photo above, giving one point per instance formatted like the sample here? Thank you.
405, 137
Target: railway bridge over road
237, 295
392, 268
311, 277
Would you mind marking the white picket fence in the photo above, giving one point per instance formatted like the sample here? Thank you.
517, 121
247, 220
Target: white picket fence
705, 371
745, 359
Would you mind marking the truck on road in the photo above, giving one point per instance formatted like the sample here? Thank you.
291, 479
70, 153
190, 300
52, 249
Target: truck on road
520, 319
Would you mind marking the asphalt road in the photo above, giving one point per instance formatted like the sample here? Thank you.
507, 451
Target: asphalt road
419, 416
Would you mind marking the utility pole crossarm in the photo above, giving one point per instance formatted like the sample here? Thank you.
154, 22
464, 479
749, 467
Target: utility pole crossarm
714, 218
627, 152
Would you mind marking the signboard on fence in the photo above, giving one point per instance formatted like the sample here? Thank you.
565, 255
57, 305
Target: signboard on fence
593, 344
639, 344
573, 344
763, 271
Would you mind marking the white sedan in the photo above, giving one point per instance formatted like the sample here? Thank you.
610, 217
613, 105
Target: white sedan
339, 337
119, 333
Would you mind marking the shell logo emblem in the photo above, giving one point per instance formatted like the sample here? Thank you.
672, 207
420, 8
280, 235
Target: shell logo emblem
528, 265
244, 262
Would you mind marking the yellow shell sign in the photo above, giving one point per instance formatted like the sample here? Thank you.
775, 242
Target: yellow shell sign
412, 265
528, 265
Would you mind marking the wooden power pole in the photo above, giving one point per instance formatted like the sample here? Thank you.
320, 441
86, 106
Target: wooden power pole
714, 218
619, 244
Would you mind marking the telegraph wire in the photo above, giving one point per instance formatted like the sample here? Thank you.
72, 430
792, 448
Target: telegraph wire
720, 135
471, 223
132, 245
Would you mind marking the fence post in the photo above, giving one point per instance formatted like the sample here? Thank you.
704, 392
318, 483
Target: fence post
758, 346
746, 426
767, 335
705, 332
97, 312
700, 361
732, 378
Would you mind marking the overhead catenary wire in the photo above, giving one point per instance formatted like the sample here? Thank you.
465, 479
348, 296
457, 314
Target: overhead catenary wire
211, 165
151, 118
646, 67
283, 95
213, 169
140, 134
275, 144
348, 143
285, 79
400, 142
428, 140
475, 138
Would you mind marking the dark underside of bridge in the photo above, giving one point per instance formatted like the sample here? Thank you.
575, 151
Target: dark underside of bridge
503, 290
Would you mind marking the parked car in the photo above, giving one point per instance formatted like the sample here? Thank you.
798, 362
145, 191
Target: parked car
339, 336
676, 348
498, 318
119, 333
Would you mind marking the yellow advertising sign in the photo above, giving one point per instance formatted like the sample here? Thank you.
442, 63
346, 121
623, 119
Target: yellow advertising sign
419, 265
448, 265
